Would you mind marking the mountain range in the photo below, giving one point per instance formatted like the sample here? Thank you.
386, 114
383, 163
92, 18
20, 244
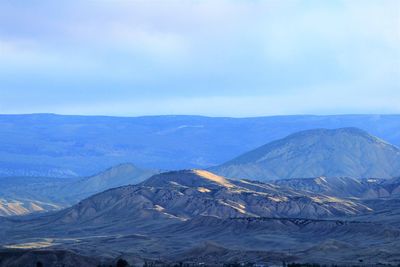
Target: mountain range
23, 195
197, 216
344, 156
345, 187
323, 195
184, 194
47, 145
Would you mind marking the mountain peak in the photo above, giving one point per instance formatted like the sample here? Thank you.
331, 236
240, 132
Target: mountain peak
352, 132
320, 132
339, 152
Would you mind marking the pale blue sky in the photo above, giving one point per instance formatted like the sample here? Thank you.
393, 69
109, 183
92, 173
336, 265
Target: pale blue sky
210, 57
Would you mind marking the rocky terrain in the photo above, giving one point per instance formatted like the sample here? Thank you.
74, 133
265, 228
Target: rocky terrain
346, 187
348, 214
9, 207
181, 195
345, 152
23, 195
197, 216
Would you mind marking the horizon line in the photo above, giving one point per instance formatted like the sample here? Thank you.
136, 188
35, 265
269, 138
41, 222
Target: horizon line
198, 115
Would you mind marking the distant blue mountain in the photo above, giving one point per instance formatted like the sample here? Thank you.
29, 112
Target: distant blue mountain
67, 146
343, 152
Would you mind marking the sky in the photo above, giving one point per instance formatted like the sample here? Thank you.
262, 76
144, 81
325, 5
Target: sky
204, 57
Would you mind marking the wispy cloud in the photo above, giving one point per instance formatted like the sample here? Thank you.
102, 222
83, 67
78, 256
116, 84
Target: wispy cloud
204, 57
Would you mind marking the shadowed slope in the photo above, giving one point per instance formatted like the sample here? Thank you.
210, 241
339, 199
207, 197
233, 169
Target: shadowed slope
171, 215
345, 187
182, 195
23, 195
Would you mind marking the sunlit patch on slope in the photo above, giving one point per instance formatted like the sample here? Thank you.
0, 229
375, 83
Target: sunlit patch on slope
278, 198
177, 184
9, 207
203, 190
215, 178
169, 215
47, 242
